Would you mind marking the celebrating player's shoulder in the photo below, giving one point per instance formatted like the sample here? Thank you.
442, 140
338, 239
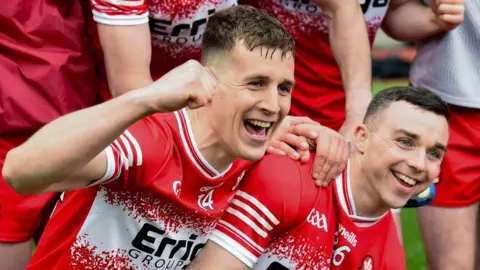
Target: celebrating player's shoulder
276, 212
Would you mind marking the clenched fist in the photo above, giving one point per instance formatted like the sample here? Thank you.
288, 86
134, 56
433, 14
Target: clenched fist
449, 13
189, 84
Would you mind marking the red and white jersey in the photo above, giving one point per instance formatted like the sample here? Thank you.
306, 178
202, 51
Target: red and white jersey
154, 209
279, 219
176, 26
364, 243
318, 86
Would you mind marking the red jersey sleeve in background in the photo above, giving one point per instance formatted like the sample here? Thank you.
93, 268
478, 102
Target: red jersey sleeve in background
46, 64
120, 12
140, 153
266, 203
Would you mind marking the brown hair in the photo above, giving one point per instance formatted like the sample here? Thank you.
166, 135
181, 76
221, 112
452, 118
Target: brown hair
417, 96
255, 27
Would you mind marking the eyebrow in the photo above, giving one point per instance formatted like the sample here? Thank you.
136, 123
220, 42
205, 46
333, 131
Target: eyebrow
268, 79
441, 147
416, 137
408, 133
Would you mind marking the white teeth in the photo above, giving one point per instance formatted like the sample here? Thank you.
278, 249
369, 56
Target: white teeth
260, 123
405, 178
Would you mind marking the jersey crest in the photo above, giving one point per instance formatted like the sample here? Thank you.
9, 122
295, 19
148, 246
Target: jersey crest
367, 263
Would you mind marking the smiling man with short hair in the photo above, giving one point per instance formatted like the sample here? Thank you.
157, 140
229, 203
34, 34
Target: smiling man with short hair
279, 220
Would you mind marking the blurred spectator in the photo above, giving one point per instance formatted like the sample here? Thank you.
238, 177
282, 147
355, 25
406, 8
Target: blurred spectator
449, 65
46, 71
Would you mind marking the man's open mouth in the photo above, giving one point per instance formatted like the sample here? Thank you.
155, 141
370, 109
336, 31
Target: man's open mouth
256, 128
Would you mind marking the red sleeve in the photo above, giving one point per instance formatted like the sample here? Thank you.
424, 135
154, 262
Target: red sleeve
140, 153
265, 204
120, 12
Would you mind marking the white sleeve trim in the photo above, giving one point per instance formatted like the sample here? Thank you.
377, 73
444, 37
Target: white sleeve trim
110, 167
253, 213
248, 221
120, 19
240, 234
234, 248
259, 205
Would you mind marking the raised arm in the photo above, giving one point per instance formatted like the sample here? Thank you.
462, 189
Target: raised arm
423, 21
67, 153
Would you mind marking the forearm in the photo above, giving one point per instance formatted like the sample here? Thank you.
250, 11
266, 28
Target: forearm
127, 55
351, 48
420, 24
61, 148
122, 82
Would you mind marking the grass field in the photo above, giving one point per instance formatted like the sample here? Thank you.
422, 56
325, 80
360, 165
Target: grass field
411, 235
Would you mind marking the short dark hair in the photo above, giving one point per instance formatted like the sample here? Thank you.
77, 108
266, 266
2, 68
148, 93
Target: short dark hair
417, 96
255, 27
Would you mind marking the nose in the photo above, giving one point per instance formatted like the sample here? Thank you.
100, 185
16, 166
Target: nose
270, 101
418, 160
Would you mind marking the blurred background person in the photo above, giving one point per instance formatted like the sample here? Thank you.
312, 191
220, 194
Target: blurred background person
47, 71
449, 65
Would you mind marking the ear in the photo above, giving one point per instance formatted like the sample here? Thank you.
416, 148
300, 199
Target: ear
361, 135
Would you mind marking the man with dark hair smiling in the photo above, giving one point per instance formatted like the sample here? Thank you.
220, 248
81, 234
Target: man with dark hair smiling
278, 220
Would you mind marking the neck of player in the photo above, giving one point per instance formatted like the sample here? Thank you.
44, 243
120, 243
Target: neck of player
368, 203
208, 142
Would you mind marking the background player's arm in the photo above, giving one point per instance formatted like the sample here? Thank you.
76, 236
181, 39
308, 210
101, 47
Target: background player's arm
127, 54
423, 21
267, 203
125, 39
351, 48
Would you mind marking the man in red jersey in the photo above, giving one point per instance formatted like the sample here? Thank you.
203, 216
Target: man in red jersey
144, 39
275, 223
46, 71
146, 192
